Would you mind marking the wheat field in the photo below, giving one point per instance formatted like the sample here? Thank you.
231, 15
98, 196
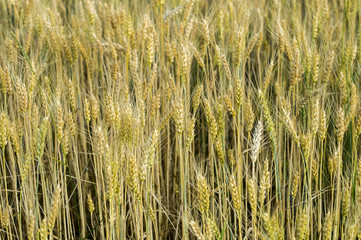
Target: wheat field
180, 119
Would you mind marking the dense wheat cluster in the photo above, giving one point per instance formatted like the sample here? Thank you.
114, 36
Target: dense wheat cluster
180, 119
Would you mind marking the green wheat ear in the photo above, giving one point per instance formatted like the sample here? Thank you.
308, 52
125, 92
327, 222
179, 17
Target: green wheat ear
23, 52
